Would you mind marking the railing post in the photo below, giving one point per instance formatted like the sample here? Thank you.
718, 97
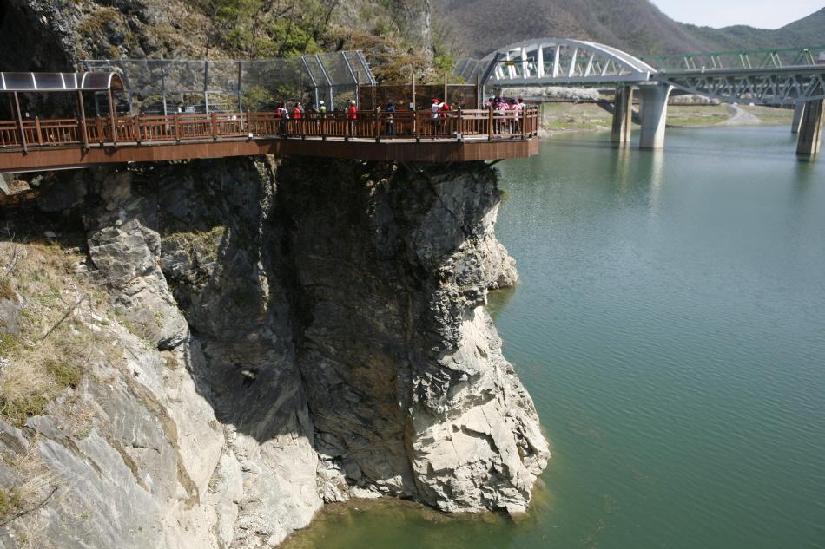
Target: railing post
460, 132
378, 124
20, 123
112, 122
136, 129
490, 124
177, 127
214, 122
38, 130
82, 111
99, 127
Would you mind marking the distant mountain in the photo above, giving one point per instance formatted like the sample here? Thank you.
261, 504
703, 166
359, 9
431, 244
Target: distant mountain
637, 26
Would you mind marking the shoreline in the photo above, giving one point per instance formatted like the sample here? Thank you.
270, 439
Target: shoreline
567, 118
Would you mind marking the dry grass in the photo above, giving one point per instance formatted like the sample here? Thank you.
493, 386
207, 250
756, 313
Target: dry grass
6, 291
57, 340
11, 502
36, 486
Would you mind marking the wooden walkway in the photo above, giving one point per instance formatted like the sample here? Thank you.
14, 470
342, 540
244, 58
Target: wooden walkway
476, 134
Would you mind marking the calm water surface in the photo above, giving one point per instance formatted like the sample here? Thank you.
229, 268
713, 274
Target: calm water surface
670, 326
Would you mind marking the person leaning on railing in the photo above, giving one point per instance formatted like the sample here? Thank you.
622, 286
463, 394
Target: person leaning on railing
352, 116
519, 113
436, 114
281, 117
444, 113
390, 110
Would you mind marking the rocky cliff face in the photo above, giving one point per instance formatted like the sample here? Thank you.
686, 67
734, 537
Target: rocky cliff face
281, 336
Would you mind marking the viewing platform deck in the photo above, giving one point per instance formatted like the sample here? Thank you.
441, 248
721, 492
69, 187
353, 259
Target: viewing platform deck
405, 136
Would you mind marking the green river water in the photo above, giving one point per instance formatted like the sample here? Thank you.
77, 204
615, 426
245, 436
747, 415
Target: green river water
670, 326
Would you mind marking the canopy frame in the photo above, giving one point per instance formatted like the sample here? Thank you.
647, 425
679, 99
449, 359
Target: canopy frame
16, 83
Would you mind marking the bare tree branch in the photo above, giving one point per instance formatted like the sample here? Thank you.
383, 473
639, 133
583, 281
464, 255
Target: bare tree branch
64, 317
27, 511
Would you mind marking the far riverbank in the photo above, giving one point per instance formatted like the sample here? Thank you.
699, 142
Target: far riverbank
582, 117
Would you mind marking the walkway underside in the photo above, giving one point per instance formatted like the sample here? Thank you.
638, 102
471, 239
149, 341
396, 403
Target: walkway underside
465, 135
425, 150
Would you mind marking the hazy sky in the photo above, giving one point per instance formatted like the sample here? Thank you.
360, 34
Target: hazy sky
765, 14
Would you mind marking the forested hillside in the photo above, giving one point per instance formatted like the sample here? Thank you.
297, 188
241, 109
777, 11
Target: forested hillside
637, 26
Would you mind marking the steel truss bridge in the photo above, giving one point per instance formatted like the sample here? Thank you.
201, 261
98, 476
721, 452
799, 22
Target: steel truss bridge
779, 77
767, 77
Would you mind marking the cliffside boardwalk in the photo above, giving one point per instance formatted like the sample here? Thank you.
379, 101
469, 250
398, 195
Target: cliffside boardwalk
28, 144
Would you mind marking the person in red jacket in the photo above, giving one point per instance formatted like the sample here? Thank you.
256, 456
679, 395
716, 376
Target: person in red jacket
352, 116
297, 111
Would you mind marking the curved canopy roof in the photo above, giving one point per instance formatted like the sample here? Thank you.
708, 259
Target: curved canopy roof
59, 81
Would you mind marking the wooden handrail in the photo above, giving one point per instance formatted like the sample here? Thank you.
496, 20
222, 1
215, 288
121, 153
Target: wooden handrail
459, 124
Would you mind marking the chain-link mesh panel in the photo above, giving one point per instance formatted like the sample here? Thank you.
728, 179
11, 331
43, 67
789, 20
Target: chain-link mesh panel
163, 86
456, 95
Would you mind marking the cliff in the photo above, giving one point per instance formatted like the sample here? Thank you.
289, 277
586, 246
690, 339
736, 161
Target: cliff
249, 340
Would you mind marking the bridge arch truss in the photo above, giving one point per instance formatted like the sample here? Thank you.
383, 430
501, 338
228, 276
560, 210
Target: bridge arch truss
559, 62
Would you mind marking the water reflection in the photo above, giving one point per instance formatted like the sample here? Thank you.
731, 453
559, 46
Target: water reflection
656, 176
622, 159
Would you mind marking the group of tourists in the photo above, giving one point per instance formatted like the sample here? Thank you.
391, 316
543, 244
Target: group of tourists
440, 112
297, 112
510, 109
504, 104
283, 113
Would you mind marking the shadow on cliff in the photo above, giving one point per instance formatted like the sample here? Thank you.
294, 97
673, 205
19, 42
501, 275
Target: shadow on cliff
221, 257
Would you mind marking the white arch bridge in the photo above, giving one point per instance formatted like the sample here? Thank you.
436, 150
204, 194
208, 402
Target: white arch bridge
777, 77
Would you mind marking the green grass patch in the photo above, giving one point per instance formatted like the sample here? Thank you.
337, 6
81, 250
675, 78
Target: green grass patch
65, 374
18, 410
8, 343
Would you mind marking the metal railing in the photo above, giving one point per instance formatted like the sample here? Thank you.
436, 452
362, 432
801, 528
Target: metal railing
177, 128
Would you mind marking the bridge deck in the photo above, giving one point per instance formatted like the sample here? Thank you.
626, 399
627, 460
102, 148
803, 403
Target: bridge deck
33, 145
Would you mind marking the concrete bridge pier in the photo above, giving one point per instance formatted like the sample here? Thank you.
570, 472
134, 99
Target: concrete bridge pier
810, 129
798, 112
654, 115
622, 115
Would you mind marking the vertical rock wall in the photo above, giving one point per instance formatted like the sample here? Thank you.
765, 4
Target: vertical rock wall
403, 369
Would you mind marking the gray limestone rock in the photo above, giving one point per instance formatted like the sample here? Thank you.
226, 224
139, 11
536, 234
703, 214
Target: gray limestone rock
402, 365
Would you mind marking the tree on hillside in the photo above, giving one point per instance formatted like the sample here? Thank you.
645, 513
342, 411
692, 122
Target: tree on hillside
266, 28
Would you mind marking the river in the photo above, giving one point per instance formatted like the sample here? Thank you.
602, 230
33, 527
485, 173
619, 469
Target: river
670, 326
